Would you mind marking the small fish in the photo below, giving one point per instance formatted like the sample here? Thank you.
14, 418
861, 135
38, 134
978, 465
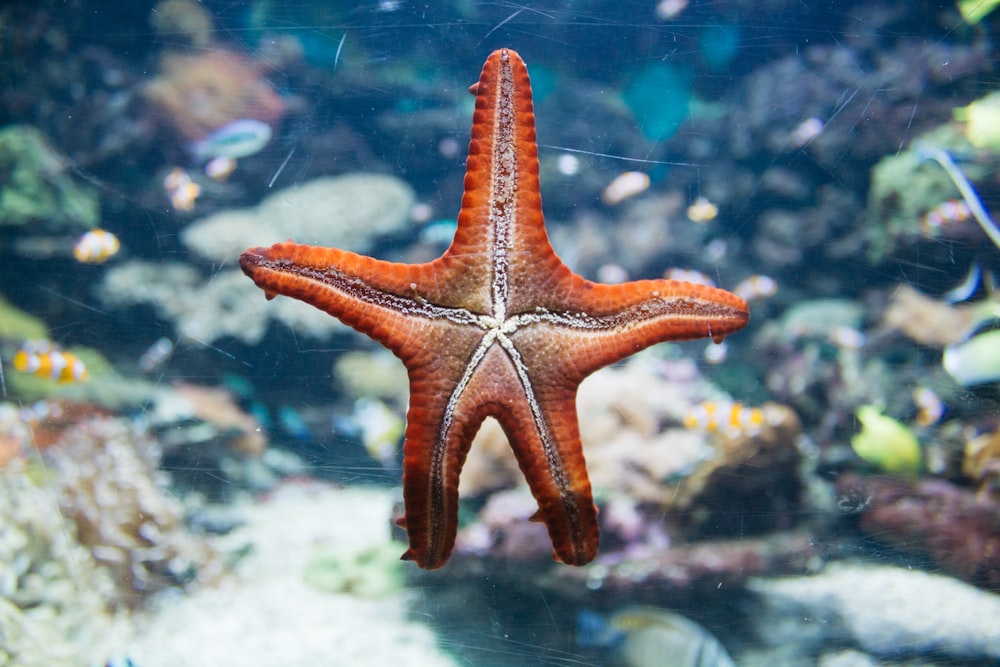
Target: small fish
974, 361
968, 287
971, 199
96, 247
625, 185
156, 355
44, 359
688, 276
806, 131
886, 443
651, 637
756, 287
220, 168
702, 210
241, 138
380, 429
945, 214
930, 407
730, 418
183, 191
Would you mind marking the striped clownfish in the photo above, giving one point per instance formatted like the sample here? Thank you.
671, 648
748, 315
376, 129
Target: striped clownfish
96, 247
945, 214
44, 359
729, 418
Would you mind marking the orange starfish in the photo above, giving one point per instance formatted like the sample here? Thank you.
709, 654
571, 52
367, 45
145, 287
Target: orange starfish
496, 327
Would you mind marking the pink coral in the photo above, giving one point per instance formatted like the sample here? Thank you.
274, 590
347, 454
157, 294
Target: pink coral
202, 91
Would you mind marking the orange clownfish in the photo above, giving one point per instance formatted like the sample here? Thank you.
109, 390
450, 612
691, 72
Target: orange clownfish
730, 418
944, 214
45, 359
96, 246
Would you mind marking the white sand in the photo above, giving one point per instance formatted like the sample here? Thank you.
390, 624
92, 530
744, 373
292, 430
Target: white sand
265, 616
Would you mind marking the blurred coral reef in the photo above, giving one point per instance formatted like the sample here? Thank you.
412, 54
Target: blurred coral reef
957, 528
56, 601
346, 211
184, 20
201, 92
660, 486
40, 189
204, 311
353, 210
104, 472
812, 157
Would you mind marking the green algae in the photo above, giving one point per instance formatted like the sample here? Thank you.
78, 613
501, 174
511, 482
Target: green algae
39, 188
906, 186
16, 324
368, 572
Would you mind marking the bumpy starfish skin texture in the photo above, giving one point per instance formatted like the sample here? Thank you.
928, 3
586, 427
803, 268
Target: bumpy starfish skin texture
496, 327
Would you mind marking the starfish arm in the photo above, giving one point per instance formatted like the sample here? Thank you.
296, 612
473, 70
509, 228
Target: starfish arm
447, 406
540, 423
545, 437
590, 325
395, 304
434, 450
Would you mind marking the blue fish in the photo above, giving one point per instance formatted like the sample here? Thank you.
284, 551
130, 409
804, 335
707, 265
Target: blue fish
240, 138
651, 637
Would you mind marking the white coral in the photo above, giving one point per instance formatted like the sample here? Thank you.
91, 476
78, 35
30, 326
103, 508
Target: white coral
347, 211
206, 309
53, 608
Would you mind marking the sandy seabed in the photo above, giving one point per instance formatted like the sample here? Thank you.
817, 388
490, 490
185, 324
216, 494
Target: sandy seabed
264, 615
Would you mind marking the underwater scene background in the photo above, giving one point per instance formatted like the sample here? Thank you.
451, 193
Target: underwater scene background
193, 474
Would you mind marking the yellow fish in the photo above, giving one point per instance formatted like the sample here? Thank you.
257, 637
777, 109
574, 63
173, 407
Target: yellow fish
887, 443
44, 359
702, 210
